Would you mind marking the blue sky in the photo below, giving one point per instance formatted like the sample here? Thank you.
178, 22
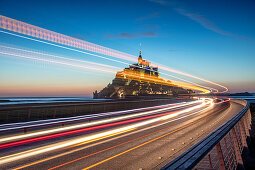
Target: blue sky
214, 40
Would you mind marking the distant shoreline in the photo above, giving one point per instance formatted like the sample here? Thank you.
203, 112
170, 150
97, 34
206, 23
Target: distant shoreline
242, 94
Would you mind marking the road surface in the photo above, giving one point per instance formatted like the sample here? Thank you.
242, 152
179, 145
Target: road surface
145, 138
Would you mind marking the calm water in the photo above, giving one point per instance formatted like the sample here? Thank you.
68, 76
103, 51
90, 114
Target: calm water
27, 100
251, 99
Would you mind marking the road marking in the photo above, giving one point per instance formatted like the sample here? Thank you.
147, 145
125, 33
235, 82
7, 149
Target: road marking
96, 144
91, 154
138, 146
105, 160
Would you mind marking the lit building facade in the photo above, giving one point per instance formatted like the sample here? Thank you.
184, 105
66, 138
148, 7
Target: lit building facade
139, 79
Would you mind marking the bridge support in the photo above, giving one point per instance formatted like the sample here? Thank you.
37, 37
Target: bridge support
246, 123
237, 149
243, 135
220, 157
210, 161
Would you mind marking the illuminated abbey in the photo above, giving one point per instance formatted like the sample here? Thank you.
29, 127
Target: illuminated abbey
139, 79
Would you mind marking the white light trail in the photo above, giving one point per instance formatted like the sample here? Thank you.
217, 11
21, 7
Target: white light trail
59, 62
37, 32
115, 138
103, 58
73, 127
60, 57
37, 123
94, 137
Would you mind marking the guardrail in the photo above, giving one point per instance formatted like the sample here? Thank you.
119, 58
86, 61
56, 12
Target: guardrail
221, 149
25, 126
43, 111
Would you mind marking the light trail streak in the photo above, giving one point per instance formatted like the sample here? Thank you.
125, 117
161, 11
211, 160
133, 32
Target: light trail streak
205, 87
73, 127
22, 142
95, 137
83, 52
105, 58
45, 149
224, 99
192, 76
101, 57
46, 122
59, 62
60, 57
37, 32
132, 75
93, 62
88, 62
138, 146
72, 151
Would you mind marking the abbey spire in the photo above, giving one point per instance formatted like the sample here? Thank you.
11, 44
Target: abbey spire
140, 59
140, 53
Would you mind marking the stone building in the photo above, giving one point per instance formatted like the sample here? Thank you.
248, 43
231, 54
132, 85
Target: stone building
139, 79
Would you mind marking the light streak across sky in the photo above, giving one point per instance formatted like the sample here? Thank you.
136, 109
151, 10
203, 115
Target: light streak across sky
57, 59
195, 84
37, 32
60, 57
34, 31
133, 76
195, 77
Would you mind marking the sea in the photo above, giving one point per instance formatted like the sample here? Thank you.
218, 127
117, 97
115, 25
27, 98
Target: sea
29, 100
251, 99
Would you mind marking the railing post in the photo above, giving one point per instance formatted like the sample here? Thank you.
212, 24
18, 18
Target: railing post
7, 116
227, 150
244, 121
237, 149
247, 122
249, 119
55, 111
91, 108
210, 161
220, 157
243, 135
29, 114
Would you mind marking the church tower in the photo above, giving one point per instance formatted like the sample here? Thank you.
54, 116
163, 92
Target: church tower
140, 59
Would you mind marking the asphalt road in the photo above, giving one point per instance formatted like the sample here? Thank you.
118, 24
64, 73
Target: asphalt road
141, 139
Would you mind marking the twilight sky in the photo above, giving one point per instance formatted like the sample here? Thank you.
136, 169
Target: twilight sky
214, 40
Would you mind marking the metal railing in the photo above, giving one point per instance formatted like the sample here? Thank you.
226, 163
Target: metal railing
25, 126
221, 149
43, 111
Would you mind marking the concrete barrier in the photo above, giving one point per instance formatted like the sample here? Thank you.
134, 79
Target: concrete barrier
32, 112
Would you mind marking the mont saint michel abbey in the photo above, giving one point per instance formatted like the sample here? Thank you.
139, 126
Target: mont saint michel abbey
140, 79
